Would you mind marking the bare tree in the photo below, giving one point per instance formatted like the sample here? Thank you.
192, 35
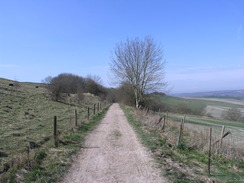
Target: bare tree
95, 78
139, 63
65, 83
47, 80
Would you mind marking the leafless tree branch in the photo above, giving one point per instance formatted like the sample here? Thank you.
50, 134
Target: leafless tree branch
139, 63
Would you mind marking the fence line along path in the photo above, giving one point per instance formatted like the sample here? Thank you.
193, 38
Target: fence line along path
112, 153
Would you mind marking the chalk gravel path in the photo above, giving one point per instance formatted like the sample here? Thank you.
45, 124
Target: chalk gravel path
112, 153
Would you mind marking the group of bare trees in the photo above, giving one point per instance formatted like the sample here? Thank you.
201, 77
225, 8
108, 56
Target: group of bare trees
137, 66
66, 83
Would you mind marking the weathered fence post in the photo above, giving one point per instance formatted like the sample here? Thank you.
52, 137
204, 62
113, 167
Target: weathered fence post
147, 110
164, 120
167, 120
160, 119
28, 156
55, 134
88, 113
94, 109
97, 107
221, 137
184, 120
76, 121
100, 105
224, 135
209, 150
180, 133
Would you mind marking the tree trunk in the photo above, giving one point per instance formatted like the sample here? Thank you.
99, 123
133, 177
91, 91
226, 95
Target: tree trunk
137, 98
137, 103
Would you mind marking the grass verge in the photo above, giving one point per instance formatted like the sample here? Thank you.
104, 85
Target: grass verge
184, 163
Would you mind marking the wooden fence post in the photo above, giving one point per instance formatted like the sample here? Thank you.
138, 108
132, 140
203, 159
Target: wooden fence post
55, 134
97, 107
28, 156
180, 133
167, 120
100, 105
221, 137
160, 119
94, 109
147, 110
88, 113
224, 135
76, 121
209, 150
164, 120
184, 120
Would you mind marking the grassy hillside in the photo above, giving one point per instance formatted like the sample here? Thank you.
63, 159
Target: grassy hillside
205, 120
174, 102
236, 94
26, 118
219, 102
196, 105
201, 123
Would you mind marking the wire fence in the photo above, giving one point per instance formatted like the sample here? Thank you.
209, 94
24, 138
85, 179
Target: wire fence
211, 138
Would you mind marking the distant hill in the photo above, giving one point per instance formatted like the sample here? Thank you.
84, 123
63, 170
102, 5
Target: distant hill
224, 94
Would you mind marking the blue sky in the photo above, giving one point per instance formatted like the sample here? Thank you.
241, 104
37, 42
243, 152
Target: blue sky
203, 41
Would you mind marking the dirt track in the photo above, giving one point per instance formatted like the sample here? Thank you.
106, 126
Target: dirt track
112, 153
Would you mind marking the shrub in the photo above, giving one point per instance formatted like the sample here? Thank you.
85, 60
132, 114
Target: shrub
65, 84
232, 114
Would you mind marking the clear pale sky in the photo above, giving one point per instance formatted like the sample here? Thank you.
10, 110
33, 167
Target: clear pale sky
203, 40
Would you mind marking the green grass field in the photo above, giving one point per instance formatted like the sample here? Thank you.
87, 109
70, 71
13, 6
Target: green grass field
176, 102
205, 120
214, 107
197, 103
26, 117
201, 123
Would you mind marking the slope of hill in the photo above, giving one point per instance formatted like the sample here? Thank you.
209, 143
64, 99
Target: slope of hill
26, 118
199, 106
222, 94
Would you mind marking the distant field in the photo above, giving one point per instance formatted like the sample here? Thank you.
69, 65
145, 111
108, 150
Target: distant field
176, 101
207, 106
202, 124
224, 102
216, 106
